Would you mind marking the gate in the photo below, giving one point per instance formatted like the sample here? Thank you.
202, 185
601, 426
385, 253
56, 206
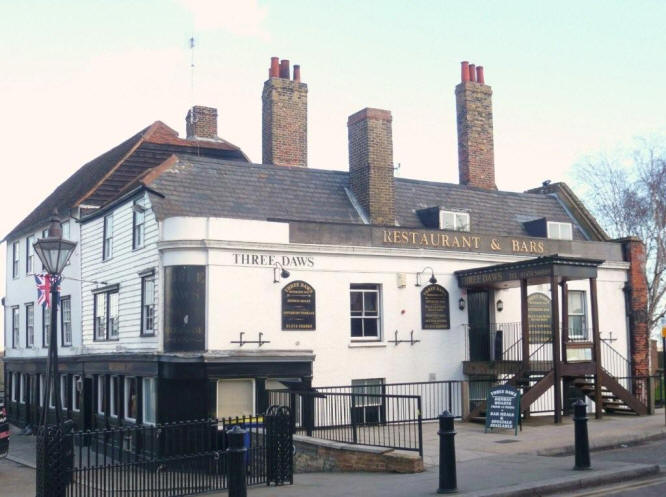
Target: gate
173, 459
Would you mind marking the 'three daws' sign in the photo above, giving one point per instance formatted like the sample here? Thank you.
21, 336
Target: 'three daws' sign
245, 259
503, 408
298, 306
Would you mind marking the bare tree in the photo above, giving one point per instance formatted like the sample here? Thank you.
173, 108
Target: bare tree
627, 194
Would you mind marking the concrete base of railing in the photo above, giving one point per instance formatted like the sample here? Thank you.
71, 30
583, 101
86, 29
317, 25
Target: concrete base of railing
316, 455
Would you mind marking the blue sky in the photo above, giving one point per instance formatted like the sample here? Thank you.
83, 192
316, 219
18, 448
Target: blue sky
570, 79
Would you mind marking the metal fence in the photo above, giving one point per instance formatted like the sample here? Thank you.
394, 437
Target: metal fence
175, 459
436, 396
378, 419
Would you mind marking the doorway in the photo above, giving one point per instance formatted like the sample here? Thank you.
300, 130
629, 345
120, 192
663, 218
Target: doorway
478, 312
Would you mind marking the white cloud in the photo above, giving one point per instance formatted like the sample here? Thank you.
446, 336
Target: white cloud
240, 17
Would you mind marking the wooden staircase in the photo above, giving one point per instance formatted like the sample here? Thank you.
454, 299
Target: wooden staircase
615, 398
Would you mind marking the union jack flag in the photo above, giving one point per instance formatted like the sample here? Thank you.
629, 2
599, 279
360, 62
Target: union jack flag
44, 284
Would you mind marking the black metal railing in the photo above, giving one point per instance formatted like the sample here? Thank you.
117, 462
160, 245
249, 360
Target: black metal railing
174, 459
436, 396
376, 419
613, 362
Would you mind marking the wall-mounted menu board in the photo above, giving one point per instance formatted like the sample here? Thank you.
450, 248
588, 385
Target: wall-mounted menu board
298, 306
435, 308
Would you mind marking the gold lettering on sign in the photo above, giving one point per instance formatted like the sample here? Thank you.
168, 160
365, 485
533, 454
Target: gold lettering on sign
495, 244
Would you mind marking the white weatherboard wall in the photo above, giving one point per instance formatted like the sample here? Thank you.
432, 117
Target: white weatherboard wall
122, 268
22, 290
241, 296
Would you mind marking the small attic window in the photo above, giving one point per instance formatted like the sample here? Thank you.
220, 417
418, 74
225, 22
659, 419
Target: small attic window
560, 231
451, 220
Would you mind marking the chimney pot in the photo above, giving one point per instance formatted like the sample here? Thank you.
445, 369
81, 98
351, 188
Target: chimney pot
464, 71
297, 72
274, 71
479, 75
472, 72
284, 69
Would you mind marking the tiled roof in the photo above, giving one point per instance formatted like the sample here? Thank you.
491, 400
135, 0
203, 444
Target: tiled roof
100, 180
197, 186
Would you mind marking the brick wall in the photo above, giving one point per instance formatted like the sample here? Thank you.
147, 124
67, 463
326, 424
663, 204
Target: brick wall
371, 163
284, 119
634, 252
476, 156
201, 122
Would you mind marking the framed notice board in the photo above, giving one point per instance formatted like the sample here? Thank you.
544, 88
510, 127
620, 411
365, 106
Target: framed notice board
298, 306
435, 308
503, 408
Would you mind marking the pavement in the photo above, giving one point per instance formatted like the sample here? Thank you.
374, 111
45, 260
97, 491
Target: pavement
538, 461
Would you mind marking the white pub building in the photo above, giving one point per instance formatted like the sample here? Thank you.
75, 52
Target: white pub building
201, 280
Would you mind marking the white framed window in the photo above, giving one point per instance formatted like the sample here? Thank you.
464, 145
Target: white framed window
30, 325
364, 303
148, 305
131, 398
15, 327
107, 242
66, 321
15, 259
560, 231
63, 391
101, 395
149, 400
29, 254
577, 314
46, 325
452, 220
77, 387
14, 384
23, 391
114, 395
138, 224
106, 323
367, 386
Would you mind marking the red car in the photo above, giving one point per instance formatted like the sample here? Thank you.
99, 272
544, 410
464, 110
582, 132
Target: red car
4, 432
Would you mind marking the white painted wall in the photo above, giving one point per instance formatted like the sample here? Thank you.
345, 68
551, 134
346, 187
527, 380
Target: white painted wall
243, 297
122, 268
22, 290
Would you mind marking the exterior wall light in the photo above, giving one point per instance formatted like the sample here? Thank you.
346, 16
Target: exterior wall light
461, 304
500, 305
432, 279
283, 273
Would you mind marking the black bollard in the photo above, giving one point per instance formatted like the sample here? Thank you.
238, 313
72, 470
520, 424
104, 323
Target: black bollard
447, 455
237, 462
582, 442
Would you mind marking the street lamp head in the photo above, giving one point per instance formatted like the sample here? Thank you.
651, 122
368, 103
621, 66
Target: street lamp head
53, 251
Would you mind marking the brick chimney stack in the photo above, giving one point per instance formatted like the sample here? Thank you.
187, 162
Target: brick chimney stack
371, 163
201, 123
476, 156
284, 116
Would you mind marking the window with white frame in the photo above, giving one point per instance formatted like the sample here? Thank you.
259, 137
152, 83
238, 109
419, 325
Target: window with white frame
15, 327
101, 395
29, 254
106, 323
46, 325
114, 395
560, 231
107, 242
15, 259
365, 311
14, 385
577, 315
131, 398
138, 224
23, 392
149, 400
63, 391
66, 321
77, 386
148, 305
30, 325
452, 220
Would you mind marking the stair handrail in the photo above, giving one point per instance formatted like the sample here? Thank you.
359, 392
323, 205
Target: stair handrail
615, 357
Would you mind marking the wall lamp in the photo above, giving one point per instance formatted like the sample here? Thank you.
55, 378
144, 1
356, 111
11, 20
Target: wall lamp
432, 279
283, 273
500, 305
461, 304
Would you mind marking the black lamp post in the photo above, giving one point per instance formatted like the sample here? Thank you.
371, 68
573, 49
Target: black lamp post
54, 252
